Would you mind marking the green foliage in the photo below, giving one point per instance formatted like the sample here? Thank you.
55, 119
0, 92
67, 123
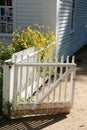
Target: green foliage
6, 51
1, 82
37, 36
33, 36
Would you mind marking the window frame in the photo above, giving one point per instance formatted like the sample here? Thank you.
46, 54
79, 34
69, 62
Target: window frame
14, 19
72, 19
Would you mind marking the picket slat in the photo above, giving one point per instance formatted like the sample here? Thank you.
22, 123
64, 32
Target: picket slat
15, 83
27, 77
61, 72
65, 86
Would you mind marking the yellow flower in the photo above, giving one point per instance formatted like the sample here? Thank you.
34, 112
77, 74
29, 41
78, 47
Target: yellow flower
38, 36
13, 33
0, 43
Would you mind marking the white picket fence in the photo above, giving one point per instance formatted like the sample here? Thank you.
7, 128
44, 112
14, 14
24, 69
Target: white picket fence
28, 83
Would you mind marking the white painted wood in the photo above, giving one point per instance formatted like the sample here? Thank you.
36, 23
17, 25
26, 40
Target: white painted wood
44, 75
49, 77
30, 70
61, 72
72, 83
65, 85
32, 81
43, 106
73, 61
15, 83
38, 82
11, 83
5, 84
55, 78
21, 73
53, 87
62, 61
24, 53
27, 78
72, 88
47, 64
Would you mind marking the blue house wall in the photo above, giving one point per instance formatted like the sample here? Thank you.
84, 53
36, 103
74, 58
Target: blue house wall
69, 42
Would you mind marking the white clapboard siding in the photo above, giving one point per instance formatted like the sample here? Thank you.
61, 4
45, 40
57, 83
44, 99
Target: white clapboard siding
28, 12
70, 43
57, 15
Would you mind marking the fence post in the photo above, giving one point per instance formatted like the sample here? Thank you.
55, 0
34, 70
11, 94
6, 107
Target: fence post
15, 83
6, 83
6, 86
73, 61
73, 75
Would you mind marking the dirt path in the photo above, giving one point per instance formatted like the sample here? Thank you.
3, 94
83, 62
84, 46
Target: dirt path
76, 120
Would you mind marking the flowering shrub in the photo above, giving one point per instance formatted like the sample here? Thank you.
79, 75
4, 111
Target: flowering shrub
1, 79
37, 36
6, 51
33, 36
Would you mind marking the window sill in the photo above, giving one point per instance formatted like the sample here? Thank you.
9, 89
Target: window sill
5, 35
72, 32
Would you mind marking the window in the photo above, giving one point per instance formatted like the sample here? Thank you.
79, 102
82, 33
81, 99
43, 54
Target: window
73, 15
6, 16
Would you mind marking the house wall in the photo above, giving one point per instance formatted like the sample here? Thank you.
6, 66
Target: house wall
49, 14
28, 12
57, 15
69, 43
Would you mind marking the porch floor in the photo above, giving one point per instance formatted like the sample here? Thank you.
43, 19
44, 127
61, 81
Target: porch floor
76, 120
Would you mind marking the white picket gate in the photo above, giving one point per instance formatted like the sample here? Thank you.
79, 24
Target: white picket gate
33, 87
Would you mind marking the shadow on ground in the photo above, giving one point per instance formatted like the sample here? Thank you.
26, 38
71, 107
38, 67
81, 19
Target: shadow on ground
81, 61
32, 123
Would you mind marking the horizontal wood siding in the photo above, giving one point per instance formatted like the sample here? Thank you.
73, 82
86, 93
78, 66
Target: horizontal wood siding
69, 43
49, 13
28, 12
